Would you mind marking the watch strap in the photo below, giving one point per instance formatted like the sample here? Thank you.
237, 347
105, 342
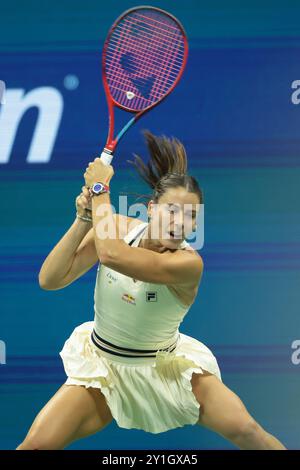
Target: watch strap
105, 189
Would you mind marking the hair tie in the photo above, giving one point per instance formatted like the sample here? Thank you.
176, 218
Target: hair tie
170, 173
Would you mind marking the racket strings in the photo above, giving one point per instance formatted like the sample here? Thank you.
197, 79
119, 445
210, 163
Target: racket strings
146, 28
114, 73
145, 68
148, 17
156, 57
161, 45
152, 55
132, 43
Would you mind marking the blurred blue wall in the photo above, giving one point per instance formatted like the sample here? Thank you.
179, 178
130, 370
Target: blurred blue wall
236, 112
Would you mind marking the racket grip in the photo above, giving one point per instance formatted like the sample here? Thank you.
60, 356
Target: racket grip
106, 158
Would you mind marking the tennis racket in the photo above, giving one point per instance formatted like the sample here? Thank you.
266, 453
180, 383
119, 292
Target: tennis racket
143, 59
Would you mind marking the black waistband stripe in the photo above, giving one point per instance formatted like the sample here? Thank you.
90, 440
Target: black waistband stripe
118, 350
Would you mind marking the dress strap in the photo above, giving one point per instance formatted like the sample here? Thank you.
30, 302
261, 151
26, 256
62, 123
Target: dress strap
135, 233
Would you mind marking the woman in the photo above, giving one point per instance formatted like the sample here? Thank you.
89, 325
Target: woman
132, 363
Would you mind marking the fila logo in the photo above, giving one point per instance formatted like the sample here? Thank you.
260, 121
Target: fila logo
151, 296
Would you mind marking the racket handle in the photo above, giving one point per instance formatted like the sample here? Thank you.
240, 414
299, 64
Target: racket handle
106, 157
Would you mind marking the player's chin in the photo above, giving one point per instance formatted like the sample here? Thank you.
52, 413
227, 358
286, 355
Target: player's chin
170, 242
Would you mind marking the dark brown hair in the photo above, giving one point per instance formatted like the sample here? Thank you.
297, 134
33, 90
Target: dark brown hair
166, 168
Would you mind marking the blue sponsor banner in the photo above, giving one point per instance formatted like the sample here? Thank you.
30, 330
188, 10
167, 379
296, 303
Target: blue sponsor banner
234, 107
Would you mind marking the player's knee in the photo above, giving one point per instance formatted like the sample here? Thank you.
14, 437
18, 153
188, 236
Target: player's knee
242, 429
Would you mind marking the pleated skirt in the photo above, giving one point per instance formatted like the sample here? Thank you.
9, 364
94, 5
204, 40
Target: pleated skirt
153, 394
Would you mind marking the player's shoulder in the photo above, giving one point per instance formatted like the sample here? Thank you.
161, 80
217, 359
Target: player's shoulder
190, 257
187, 252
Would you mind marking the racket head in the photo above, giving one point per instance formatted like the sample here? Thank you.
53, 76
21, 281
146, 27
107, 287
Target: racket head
144, 56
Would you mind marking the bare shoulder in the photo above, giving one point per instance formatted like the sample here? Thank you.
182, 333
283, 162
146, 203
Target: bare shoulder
191, 258
187, 293
189, 253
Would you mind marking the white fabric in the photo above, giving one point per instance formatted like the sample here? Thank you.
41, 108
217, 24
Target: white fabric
123, 316
153, 394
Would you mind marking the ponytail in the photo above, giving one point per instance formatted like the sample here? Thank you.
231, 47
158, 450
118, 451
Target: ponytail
167, 166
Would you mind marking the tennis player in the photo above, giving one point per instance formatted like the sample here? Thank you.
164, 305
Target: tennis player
132, 363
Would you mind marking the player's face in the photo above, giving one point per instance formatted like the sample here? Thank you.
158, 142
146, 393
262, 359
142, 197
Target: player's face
174, 216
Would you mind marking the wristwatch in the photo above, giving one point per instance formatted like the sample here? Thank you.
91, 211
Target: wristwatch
99, 188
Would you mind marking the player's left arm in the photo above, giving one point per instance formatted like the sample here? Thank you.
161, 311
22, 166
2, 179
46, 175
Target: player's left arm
179, 267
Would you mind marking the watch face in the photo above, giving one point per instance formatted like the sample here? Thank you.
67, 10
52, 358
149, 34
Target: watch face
97, 187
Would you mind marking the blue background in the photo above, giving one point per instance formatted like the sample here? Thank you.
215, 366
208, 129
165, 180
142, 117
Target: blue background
234, 113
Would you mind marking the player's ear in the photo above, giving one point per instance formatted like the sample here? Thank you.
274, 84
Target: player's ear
150, 208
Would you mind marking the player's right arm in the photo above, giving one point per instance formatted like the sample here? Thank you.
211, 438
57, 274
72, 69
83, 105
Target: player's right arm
74, 254
58, 264
65, 263
68, 260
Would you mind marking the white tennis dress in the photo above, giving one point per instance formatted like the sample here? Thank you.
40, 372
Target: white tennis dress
134, 353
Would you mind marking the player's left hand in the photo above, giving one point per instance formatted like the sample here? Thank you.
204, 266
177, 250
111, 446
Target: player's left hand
97, 171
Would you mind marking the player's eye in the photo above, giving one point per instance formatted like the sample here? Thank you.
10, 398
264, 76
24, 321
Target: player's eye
191, 216
173, 209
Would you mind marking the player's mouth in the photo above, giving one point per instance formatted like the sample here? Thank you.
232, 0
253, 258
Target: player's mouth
175, 235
